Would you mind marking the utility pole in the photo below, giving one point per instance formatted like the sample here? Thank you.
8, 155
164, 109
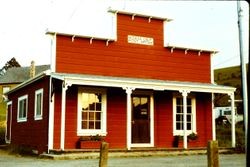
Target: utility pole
243, 77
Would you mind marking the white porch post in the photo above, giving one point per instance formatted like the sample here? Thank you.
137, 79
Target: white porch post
129, 110
233, 119
213, 120
63, 109
184, 95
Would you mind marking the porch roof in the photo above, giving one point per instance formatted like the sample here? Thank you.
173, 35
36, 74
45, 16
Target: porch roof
137, 83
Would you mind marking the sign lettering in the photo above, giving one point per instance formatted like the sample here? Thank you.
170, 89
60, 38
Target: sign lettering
140, 40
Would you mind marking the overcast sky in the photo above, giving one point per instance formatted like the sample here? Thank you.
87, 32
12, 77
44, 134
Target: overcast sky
196, 24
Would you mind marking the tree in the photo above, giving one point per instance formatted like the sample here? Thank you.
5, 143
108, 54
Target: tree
11, 63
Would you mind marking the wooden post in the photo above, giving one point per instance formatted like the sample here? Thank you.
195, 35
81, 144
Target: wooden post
212, 154
103, 162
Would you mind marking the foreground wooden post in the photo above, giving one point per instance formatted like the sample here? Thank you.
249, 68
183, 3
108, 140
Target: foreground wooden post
103, 162
212, 154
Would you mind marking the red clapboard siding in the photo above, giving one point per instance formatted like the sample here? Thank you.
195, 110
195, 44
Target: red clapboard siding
116, 118
21, 131
204, 118
163, 119
123, 59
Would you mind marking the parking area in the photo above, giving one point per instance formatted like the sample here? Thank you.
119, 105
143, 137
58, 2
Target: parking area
226, 160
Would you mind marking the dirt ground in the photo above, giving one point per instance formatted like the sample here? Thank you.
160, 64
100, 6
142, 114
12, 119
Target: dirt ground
225, 160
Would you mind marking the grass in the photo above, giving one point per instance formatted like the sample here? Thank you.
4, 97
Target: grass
223, 135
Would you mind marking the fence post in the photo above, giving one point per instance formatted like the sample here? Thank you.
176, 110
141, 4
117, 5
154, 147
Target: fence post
212, 154
103, 162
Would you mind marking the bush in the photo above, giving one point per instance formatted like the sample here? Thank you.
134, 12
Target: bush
2, 132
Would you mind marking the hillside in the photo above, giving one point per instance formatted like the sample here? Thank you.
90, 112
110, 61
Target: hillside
230, 76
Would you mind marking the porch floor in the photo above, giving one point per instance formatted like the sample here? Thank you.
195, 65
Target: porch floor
134, 152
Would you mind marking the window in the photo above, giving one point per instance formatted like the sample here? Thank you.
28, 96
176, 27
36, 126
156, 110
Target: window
178, 115
22, 108
91, 112
38, 104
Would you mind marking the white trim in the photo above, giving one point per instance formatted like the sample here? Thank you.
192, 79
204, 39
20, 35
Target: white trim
38, 117
7, 115
24, 119
129, 91
53, 42
233, 120
94, 80
213, 119
91, 132
63, 111
51, 119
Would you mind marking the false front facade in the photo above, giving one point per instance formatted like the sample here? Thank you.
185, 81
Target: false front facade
129, 90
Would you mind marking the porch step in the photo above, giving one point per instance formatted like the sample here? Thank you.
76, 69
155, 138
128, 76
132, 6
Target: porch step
114, 153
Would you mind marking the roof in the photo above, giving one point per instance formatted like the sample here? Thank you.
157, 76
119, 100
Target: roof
20, 74
125, 82
134, 14
199, 50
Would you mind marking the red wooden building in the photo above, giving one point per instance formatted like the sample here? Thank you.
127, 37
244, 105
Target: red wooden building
129, 89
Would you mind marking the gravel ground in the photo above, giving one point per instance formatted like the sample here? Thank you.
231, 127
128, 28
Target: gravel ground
226, 160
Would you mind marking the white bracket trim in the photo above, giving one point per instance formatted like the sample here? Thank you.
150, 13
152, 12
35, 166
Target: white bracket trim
91, 40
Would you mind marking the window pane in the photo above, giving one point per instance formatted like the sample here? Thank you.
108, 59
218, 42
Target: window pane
189, 109
98, 106
24, 108
98, 125
188, 126
188, 118
179, 109
189, 101
92, 107
91, 116
84, 115
84, 125
38, 104
98, 116
91, 125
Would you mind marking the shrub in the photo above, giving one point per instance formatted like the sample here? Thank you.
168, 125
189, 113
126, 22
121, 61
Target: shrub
2, 132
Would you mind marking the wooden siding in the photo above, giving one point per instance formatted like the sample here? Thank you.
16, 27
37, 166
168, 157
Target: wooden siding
31, 134
124, 59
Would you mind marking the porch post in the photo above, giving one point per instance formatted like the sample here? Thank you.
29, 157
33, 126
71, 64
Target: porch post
184, 95
129, 110
63, 109
233, 119
213, 120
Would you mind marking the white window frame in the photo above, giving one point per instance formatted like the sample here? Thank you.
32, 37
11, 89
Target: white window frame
23, 119
92, 132
36, 116
193, 125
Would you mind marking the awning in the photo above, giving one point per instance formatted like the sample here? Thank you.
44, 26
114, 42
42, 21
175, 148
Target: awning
152, 84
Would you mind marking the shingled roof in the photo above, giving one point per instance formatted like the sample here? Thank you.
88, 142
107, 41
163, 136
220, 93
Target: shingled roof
20, 74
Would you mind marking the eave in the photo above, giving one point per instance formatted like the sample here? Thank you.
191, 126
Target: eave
186, 49
134, 14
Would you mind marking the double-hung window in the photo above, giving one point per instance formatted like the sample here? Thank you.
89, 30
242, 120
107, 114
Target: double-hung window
178, 115
91, 112
38, 104
22, 109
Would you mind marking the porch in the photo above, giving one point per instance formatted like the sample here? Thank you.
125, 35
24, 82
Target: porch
142, 90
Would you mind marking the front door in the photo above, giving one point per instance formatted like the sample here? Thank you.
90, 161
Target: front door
140, 119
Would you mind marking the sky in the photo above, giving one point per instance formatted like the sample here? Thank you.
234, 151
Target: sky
196, 24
